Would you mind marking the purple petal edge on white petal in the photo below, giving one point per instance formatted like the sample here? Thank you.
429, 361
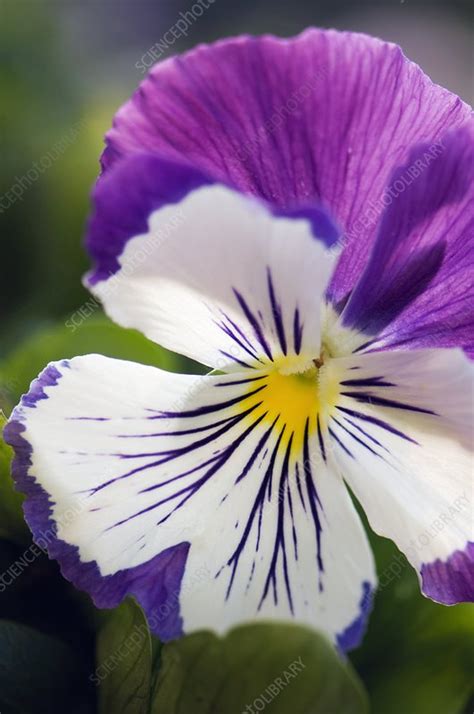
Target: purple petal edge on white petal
451, 581
125, 199
352, 636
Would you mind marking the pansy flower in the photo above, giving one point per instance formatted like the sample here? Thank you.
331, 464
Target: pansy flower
297, 215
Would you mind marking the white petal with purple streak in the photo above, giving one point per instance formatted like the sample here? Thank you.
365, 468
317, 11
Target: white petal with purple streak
402, 435
147, 461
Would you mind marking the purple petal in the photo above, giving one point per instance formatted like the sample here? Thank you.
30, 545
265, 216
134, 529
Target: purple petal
324, 116
417, 289
451, 581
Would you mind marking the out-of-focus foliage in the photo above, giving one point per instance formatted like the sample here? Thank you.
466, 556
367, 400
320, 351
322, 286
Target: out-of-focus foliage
44, 115
38, 673
96, 334
417, 655
123, 671
288, 668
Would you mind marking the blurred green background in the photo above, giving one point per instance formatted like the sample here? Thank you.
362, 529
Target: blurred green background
66, 65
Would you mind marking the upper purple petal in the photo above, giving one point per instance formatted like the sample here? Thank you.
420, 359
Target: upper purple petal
417, 289
324, 116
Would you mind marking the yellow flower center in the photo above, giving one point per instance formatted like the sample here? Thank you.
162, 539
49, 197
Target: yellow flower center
295, 392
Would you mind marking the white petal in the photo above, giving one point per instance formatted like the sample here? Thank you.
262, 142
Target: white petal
146, 460
402, 435
233, 285
285, 544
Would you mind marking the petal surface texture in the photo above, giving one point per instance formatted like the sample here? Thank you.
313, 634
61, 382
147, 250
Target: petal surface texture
324, 116
193, 494
417, 289
402, 435
231, 284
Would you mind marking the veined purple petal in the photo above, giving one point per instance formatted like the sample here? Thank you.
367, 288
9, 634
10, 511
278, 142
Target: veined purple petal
324, 116
418, 289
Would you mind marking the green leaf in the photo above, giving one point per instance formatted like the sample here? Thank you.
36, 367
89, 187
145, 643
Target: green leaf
284, 668
38, 674
417, 655
12, 524
124, 660
95, 334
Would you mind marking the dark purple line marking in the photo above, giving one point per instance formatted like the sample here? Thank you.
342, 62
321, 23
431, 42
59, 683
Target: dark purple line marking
320, 439
277, 313
313, 499
246, 365
195, 444
297, 331
298, 484
83, 418
381, 402
183, 474
256, 452
210, 408
363, 346
183, 432
377, 422
174, 454
227, 330
211, 460
335, 437
293, 529
241, 381
279, 545
191, 489
242, 335
241, 332
254, 324
257, 506
366, 434
367, 382
356, 438
225, 457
